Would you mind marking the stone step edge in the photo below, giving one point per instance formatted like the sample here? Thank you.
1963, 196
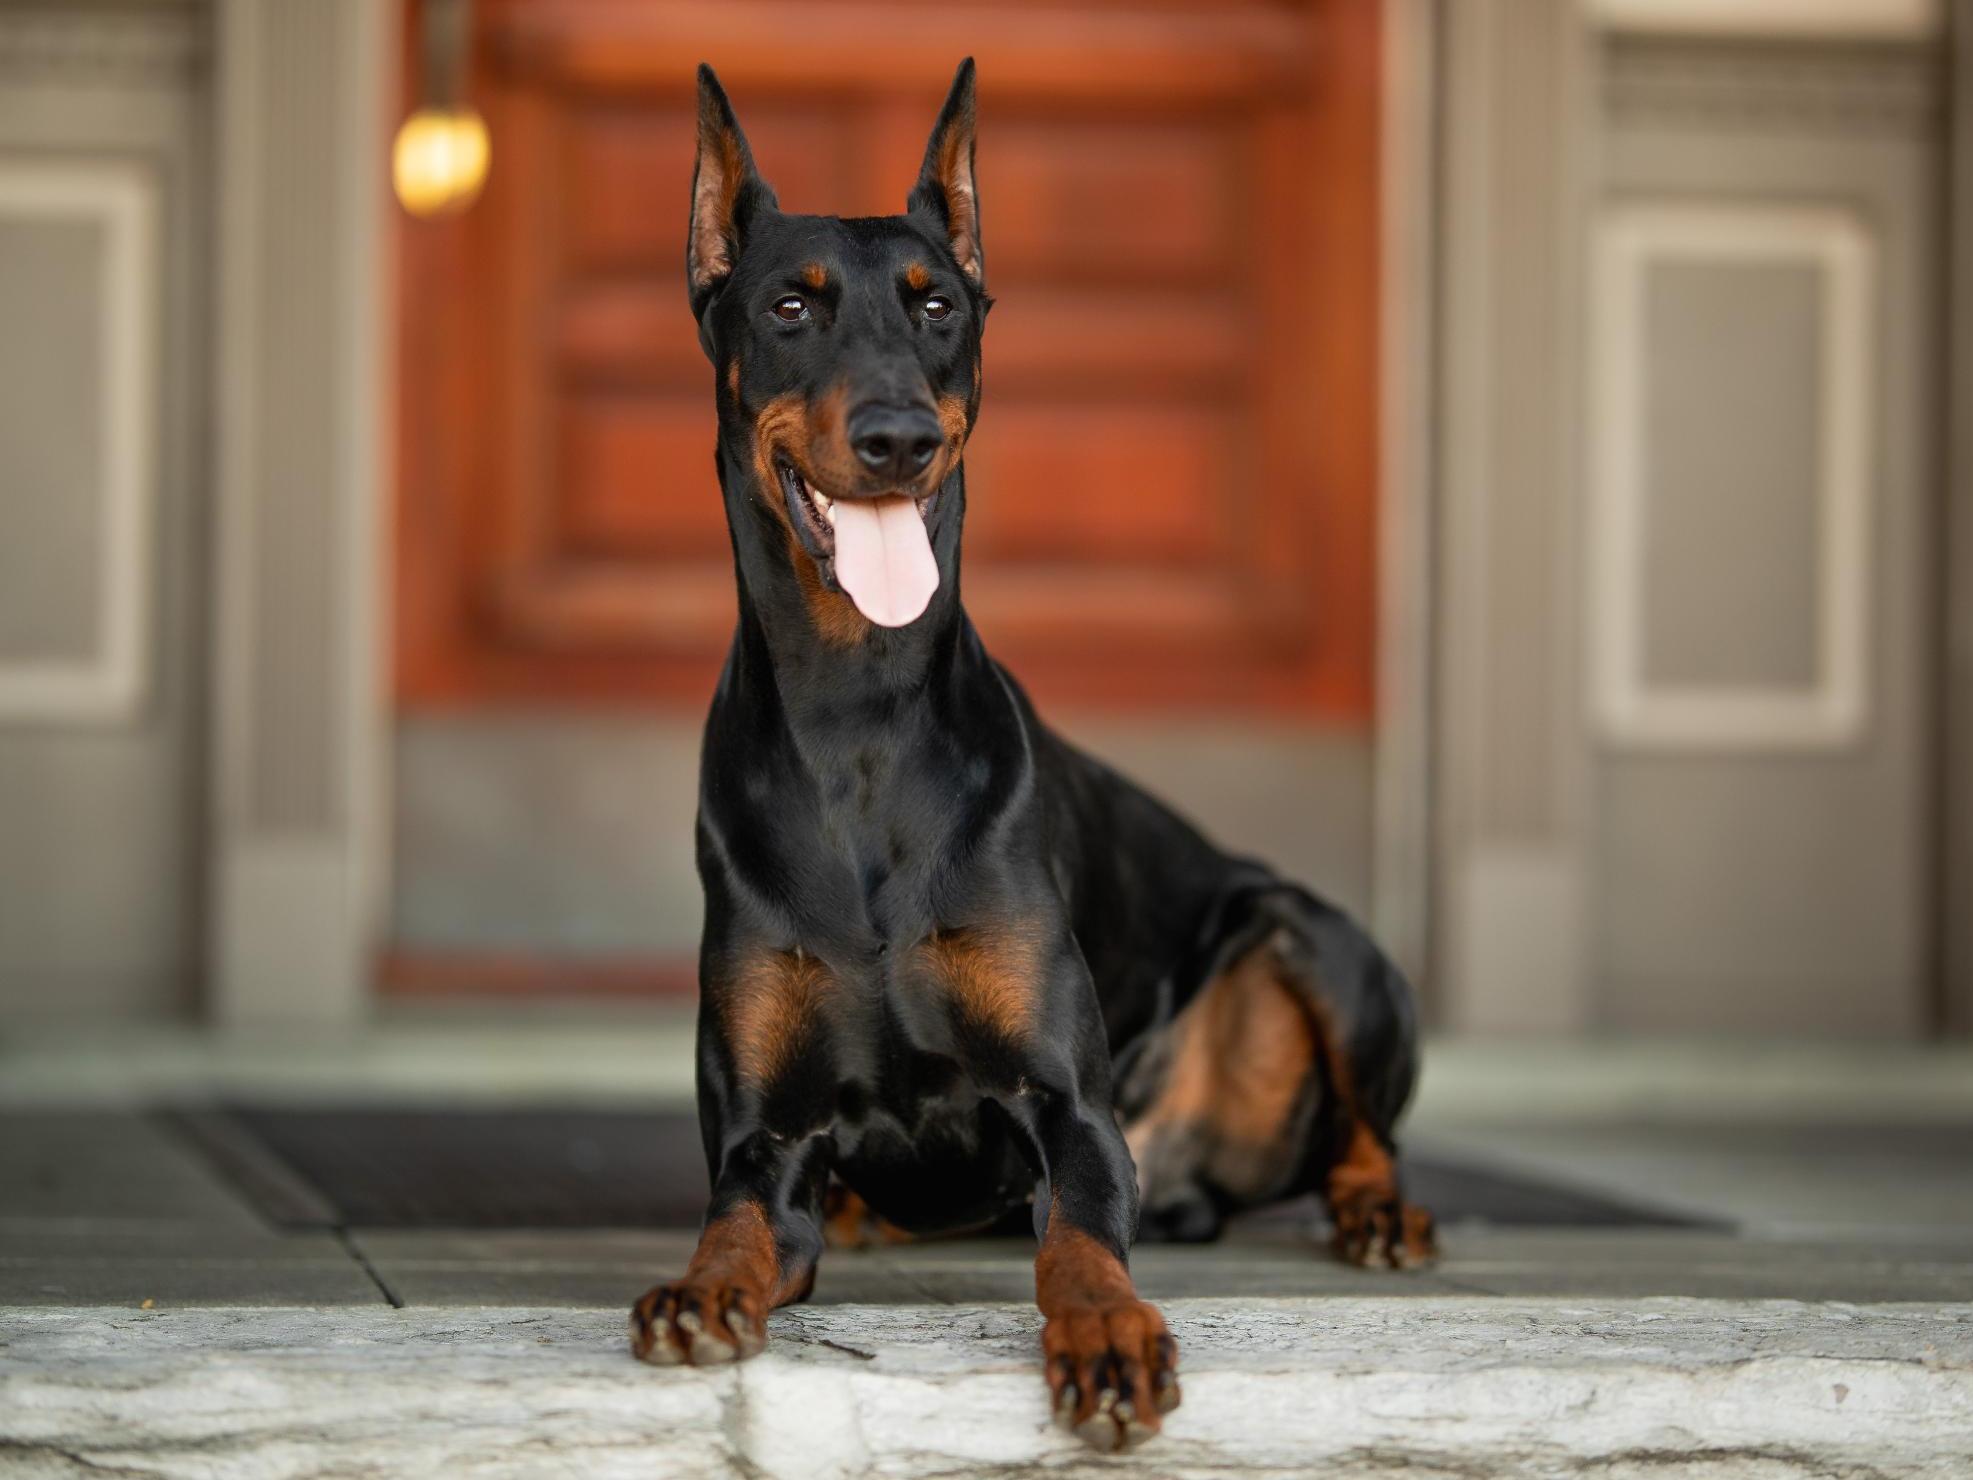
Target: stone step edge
1422, 1385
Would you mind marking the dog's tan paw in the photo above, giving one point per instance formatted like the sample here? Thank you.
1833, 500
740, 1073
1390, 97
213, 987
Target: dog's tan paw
1112, 1373
700, 1323
1378, 1230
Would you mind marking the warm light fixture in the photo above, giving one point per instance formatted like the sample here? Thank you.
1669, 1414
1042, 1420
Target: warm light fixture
439, 162
440, 159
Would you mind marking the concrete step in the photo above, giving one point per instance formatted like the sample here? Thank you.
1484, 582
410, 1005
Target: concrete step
1438, 1387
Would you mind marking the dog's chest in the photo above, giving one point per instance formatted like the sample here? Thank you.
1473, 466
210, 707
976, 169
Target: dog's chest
887, 822
918, 1144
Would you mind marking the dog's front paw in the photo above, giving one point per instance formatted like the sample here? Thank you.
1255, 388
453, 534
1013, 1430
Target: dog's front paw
1378, 1228
1112, 1372
697, 1321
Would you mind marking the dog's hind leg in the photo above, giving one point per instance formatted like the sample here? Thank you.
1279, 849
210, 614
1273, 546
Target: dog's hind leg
1372, 1223
1285, 1072
1367, 1026
1219, 1105
848, 1222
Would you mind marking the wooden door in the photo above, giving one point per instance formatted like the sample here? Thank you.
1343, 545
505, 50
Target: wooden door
1172, 487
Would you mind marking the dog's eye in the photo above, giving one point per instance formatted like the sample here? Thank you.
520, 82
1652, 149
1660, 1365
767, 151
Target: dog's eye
791, 310
936, 309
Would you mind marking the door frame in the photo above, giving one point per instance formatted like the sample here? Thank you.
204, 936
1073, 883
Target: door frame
1955, 768
298, 858
1402, 900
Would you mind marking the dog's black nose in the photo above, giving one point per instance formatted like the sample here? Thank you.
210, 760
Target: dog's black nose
895, 442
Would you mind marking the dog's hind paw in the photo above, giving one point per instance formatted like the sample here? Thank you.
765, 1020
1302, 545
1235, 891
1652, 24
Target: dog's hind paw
697, 1323
1375, 1231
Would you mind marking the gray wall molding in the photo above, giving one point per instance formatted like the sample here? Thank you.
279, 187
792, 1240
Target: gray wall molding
1796, 86
1879, 20
105, 676
87, 45
1739, 252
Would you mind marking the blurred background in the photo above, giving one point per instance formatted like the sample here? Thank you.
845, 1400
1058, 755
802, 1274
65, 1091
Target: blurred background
1494, 458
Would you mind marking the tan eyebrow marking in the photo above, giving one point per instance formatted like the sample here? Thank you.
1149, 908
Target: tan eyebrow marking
815, 275
918, 277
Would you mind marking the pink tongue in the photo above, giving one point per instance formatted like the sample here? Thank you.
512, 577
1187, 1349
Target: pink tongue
884, 558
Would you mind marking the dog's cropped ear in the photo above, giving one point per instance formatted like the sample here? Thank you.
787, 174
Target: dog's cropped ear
946, 191
726, 194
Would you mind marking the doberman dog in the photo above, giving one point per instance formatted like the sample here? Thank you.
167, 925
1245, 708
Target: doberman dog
953, 966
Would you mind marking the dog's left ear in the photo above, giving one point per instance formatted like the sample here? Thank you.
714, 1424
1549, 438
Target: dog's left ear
946, 192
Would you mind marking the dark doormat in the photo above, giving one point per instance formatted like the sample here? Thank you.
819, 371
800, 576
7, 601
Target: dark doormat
548, 1168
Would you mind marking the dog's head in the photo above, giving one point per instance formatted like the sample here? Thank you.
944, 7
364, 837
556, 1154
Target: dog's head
848, 360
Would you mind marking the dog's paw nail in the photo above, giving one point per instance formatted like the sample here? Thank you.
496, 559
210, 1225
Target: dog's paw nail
1100, 1432
1135, 1430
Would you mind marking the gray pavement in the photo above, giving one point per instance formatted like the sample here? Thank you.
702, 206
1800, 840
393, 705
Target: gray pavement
109, 1207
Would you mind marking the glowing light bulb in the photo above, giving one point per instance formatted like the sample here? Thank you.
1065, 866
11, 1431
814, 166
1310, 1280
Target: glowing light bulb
439, 161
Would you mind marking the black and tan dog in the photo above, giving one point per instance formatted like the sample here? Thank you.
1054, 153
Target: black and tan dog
953, 966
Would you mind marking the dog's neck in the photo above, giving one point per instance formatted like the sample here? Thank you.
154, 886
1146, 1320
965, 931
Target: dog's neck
817, 676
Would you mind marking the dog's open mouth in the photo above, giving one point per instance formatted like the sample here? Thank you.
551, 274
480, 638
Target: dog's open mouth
878, 550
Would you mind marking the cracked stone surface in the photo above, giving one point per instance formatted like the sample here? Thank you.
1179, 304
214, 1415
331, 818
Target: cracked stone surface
1442, 1387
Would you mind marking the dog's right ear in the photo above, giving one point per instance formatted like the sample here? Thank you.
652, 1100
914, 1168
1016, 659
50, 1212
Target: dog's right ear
726, 193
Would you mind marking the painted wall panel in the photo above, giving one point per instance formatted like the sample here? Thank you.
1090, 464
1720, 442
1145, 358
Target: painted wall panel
1731, 552
1775, 878
51, 431
102, 406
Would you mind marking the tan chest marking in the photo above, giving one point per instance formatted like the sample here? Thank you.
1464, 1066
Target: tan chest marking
990, 974
771, 1007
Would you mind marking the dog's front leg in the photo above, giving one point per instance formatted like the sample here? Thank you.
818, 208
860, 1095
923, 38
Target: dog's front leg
1112, 1367
762, 1237
768, 1162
